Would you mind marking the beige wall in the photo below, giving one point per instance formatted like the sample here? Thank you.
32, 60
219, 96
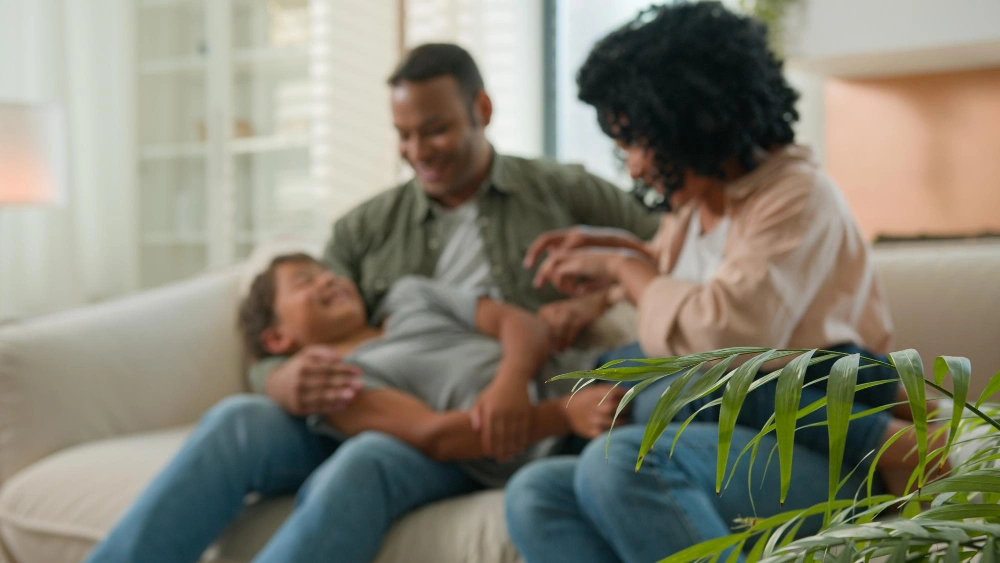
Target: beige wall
918, 154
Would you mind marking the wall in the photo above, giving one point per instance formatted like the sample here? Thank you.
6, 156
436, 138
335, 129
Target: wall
864, 38
918, 154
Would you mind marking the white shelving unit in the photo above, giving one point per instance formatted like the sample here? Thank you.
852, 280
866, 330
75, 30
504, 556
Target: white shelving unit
227, 115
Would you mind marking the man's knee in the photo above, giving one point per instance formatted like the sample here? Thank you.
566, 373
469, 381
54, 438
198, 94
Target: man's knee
242, 414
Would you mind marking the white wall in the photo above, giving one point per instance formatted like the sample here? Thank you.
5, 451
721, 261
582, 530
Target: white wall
892, 37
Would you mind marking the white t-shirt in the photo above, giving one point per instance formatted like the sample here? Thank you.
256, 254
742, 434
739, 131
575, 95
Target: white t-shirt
702, 252
463, 263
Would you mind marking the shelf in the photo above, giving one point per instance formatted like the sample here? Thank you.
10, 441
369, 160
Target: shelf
257, 145
169, 151
248, 59
167, 3
174, 239
172, 65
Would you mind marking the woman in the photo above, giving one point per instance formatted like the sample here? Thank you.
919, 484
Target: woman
761, 250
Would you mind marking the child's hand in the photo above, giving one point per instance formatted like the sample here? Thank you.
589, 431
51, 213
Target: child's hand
589, 417
502, 416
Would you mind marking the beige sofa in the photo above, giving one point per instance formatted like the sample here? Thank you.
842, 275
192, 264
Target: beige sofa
94, 401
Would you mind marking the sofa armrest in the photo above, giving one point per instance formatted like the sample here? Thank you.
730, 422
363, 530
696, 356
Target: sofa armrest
152, 360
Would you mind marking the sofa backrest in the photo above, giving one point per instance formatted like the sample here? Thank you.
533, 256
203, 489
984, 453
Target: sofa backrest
153, 360
945, 300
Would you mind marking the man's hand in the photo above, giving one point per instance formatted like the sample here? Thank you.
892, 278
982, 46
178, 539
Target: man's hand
314, 381
502, 416
568, 317
588, 416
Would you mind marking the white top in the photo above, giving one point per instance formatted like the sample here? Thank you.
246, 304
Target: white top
463, 262
702, 252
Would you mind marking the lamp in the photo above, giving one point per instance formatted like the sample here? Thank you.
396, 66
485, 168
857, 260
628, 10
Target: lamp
32, 154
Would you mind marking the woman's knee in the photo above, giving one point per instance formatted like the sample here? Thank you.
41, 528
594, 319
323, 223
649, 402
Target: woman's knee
606, 469
535, 488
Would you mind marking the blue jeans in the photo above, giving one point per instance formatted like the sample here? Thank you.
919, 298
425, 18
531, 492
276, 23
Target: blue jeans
595, 509
347, 496
863, 436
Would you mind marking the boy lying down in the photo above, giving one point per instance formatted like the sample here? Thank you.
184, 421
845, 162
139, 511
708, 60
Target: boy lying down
455, 375
452, 402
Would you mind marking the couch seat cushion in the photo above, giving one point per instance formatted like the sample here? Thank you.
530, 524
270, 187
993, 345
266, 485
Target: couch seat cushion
56, 509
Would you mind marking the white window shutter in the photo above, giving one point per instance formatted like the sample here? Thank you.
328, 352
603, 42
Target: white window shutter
505, 38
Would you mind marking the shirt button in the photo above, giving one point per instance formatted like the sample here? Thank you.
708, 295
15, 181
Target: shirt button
380, 284
433, 244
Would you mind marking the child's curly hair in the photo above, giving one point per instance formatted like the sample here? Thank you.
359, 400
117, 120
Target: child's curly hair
256, 312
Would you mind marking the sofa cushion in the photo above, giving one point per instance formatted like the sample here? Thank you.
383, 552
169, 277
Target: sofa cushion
56, 509
945, 299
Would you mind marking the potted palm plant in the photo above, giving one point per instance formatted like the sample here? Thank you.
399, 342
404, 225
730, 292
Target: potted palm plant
949, 518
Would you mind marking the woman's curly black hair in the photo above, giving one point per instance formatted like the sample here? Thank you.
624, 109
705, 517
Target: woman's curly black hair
694, 83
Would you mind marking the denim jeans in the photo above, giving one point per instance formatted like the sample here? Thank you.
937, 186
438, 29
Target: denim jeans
593, 508
347, 496
863, 436
597, 508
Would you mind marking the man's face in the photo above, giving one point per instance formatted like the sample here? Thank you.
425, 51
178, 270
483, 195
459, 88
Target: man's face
443, 143
313, 306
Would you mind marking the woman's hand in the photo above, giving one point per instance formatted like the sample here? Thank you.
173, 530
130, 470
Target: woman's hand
566, 318
580, 236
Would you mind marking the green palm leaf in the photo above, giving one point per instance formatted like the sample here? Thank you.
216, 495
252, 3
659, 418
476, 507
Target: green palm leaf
732, 400
673, 399
960, 512
992, 386
840, 398
911, 371
786, 408
961, 373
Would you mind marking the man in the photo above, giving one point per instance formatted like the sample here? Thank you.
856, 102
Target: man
465, 219
421, 403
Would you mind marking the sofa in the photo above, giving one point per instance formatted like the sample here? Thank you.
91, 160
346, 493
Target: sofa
94, 401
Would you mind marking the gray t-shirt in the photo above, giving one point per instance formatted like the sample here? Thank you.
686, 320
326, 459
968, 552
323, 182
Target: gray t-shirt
432, 350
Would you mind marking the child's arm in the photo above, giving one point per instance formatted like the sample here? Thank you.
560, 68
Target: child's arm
443, 436
502, 412
449, 436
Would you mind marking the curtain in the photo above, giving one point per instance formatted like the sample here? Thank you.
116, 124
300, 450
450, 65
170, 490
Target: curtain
67, 53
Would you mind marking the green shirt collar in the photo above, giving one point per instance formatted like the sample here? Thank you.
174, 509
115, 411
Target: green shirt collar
501, 178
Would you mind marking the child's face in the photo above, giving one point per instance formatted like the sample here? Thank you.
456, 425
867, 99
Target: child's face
312, 306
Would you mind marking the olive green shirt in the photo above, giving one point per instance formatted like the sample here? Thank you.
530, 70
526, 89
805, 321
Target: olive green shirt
395, 234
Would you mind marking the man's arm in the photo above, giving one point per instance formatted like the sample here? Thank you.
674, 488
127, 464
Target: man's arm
342, 253
442, 436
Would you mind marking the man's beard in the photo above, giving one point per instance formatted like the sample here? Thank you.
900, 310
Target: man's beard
651, 198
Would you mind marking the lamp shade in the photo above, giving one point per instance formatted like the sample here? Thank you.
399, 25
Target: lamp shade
32, 154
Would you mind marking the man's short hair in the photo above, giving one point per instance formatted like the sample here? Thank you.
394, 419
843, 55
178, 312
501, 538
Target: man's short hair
433, 60
257, 310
